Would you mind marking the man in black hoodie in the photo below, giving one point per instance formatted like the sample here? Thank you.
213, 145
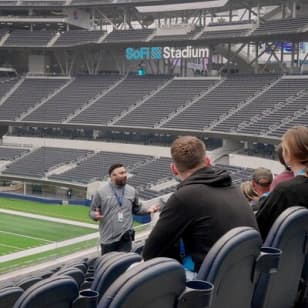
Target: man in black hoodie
205, 206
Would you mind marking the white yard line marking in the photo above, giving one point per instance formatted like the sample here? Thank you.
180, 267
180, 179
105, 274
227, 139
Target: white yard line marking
31, 237
54, 245
42, 217
11, 246
140, 235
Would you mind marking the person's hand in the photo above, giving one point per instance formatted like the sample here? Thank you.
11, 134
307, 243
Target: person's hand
153, 208
98, 214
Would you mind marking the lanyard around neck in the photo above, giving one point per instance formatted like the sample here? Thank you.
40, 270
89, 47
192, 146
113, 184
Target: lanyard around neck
117, 196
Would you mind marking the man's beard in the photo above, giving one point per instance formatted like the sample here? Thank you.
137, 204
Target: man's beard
121, 182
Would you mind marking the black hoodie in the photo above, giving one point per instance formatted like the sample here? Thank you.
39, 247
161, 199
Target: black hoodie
205, 206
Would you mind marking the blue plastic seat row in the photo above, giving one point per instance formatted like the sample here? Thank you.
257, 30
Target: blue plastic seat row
239, 271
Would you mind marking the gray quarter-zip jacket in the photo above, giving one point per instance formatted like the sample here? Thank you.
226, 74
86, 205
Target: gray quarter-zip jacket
117, 205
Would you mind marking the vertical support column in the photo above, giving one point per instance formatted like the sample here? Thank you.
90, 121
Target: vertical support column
258, 14
257, 57
293, 56
230, 13
293, 8
297, 55
181, 68
229, 57
283, 10
92, 18
281, 52
210, 60
157, 67
125, 19
204, 19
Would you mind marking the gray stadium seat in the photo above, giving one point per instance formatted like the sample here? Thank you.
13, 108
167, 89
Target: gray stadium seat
9, 295
110, 270
59, 291
230, 265
154, 283
290, 234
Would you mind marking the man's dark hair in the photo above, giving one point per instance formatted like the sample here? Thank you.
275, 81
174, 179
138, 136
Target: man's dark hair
114, 166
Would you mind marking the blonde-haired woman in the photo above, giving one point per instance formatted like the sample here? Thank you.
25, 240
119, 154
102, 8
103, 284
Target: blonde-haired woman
250, 194
293, 192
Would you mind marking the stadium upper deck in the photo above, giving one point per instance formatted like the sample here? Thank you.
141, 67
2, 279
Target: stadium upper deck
91, 38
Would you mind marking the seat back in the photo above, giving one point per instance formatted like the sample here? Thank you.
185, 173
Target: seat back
26, 283
289, 234
229, 266
76, 273
154, 283
101, 260
59, 291
111, 269
9, 295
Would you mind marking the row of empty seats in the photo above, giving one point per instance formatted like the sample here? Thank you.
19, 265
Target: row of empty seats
223, 99
261, 105
78, 37
175, 95
248, 104
96, 166
22, 99
9, 153
40, 161
151, 176
127, 94
72, 98
19, 38
282, 26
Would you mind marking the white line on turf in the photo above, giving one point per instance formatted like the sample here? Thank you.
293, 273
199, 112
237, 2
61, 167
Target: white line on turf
65, 221
31, 251
11, 246
27, 236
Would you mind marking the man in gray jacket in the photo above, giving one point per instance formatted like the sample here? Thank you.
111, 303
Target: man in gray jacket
113, 206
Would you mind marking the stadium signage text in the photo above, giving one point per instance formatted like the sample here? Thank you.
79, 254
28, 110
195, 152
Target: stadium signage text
158, 53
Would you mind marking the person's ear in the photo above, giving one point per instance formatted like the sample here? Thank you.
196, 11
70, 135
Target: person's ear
207, 161
174, 169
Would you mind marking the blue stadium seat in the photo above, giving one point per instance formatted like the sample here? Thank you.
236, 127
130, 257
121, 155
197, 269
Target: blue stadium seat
111, 269
59, 291
289, 233
9, 295
101, 260
73, 272
154, 283
27, 282
230, 265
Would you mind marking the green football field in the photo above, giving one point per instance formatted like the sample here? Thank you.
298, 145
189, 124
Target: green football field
18, 233
71, 212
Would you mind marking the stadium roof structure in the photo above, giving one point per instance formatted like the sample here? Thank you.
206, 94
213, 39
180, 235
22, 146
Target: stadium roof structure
175, 5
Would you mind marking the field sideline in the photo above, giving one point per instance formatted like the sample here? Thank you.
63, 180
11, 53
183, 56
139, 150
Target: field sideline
18, 233
28, 239
71, 212
28, 230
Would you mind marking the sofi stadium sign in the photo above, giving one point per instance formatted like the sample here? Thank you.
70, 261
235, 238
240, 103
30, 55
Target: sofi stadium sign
158, 53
